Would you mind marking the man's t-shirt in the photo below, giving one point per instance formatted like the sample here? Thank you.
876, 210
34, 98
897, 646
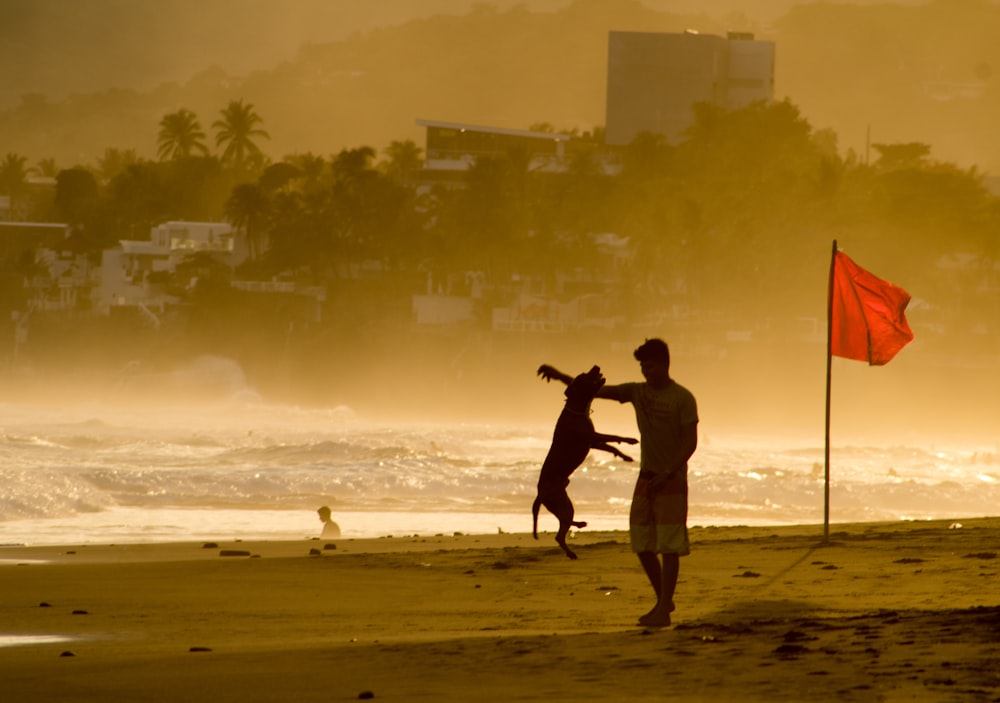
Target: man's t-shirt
660, 414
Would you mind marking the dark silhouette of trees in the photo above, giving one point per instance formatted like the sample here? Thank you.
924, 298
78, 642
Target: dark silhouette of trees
76, 196
114, 161
196, 188
180, 136
733, 221
135, 200
46, 168
403, 160
237, 130
246, 210
910, 154
77, 203
14, 182
278, 176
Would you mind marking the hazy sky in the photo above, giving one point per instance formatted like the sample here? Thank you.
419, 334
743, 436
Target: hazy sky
888, 76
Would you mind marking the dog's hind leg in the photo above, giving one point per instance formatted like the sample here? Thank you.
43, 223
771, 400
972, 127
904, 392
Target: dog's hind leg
562, 508
561, 539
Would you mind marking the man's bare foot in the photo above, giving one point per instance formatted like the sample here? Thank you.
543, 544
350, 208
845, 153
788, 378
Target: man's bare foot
659, 616
655, 618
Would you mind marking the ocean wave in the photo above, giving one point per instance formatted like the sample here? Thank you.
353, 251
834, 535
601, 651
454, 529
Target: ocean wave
267, 457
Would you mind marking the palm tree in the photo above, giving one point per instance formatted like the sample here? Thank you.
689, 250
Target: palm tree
278, 176
237, 130
312, 166
352, 164
46, 168
404, 159
180, 135
246, 210
114, 162
13, 181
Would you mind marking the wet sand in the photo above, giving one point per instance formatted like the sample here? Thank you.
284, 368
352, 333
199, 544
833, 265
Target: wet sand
904, 611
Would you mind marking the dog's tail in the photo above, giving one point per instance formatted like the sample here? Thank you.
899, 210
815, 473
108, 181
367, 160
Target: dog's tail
534, 516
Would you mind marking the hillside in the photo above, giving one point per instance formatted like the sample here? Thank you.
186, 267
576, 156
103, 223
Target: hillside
330, 75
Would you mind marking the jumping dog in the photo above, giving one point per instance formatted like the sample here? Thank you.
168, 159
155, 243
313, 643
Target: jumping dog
572, 441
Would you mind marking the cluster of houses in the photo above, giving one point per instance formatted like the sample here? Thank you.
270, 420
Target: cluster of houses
646, 92
133, 275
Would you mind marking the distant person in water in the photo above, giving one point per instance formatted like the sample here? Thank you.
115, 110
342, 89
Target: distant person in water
667, 416
330, 528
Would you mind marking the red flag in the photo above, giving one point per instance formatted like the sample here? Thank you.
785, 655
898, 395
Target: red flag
867, 320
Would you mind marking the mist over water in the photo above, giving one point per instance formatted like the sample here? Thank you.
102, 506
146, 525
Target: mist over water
210, 459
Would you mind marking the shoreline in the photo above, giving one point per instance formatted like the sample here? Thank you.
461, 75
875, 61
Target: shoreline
883, 611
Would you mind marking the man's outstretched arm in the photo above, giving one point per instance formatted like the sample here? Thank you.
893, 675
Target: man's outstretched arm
549, 372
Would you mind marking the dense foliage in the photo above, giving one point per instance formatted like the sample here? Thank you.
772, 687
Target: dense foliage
735, 221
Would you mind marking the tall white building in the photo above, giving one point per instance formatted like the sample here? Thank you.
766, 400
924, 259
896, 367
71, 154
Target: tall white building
654, 79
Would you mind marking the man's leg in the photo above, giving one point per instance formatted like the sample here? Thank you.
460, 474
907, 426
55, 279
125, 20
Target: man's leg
670, 571
664, 580
651, 565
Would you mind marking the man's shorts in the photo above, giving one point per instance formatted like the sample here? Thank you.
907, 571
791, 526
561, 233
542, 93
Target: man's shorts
658, 518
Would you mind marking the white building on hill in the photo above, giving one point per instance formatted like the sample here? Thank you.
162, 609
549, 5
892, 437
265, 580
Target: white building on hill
126, 270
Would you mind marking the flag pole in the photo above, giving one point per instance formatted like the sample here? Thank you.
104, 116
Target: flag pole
829, 365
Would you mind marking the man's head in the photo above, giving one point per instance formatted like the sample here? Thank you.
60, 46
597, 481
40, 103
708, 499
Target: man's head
653, 356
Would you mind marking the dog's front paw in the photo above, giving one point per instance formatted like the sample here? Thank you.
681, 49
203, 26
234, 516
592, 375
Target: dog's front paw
547, 372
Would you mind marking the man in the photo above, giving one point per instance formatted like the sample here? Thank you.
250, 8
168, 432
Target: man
667, 416
331, 530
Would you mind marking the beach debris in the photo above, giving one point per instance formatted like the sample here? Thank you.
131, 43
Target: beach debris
315, 553
233, 553
791, 651
829, 567
199, 649
365, 695
80, 612
67, 653
747, 575
43, 604
210, 545
981, 555
955, 526
909, 560
797, 636
329, 546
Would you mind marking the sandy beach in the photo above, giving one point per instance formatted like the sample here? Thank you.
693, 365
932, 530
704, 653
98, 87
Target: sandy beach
906, 611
